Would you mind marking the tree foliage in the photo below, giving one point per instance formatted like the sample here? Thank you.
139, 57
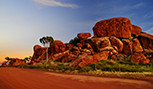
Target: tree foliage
74, 41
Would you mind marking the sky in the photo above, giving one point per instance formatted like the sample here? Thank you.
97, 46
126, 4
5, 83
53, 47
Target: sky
24, 22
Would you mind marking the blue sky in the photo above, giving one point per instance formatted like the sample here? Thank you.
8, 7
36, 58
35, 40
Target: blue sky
23, 22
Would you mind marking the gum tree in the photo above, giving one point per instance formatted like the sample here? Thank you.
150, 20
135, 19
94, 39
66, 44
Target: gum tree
46, 41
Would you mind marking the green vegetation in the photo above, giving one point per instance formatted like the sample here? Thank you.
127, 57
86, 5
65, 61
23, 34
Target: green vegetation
120, 69
8, 58
103, 65
74, 41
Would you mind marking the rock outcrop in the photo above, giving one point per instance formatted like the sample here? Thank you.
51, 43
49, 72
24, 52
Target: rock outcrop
117, 42
38, 51
139, 58
127, 48
115, 38
136, 46
85, 59
16, 62
146, 40
119, 27
57, 47
83, 35
4, 64
136, 30
98, 43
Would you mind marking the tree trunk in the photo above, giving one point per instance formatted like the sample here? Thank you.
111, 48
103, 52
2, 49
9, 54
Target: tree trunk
46, 55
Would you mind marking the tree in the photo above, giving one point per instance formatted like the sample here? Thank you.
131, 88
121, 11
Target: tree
46, 41
8, 59
74, 41
27, 59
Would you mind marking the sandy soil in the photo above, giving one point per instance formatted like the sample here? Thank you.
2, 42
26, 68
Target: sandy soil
17, 78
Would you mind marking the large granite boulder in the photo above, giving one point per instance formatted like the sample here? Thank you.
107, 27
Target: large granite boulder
16, 62
98, 43
119, 27
38, 51
136, 30
136, 46
85, 59
127, 46
117, 42
151, 59
68, 46
139, 58
146, 40
4, 64
57, 47
83, 35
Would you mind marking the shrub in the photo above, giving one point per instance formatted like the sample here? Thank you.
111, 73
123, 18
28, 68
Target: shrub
74, 41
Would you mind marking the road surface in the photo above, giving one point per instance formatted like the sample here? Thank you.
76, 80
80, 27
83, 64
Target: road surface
17, 78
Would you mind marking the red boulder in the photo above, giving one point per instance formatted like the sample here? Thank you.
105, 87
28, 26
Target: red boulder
38, 51
146, 40
136, 30
83, 35
136, 46
117, 42
101, 56
119, 27
98, 43
138, 58
57, 47
127, 46
16, 62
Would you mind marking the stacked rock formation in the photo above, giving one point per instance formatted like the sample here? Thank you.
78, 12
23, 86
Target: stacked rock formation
115, 37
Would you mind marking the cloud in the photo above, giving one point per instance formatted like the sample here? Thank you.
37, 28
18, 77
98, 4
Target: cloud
138, 5
150, 30
55, 3
146, 24
148, 15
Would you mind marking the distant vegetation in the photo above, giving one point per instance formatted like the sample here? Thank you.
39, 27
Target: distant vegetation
103, 65
74, 41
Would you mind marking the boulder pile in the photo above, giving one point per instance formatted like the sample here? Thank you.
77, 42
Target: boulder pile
14, 62
114, 39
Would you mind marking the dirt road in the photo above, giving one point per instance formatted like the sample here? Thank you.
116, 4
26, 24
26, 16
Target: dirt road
16, 78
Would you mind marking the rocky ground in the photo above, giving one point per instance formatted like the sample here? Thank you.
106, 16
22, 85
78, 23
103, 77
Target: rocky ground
17, 78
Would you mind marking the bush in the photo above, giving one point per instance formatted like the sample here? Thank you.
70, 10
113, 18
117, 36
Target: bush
85, 69
74, 41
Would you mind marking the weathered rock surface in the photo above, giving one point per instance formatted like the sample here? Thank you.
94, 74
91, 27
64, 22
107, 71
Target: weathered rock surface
38, 51
57, 47
4, 64
116, 42
136, 30
115, 37
146, 40
83, 35
151, 59
16, 62
136, 46
38, 55
119, 27
85, 59
98, 43
101, 56
68, 46
127, 46
139, 58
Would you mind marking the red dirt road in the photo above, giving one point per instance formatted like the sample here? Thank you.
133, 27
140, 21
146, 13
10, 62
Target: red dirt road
16, 78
